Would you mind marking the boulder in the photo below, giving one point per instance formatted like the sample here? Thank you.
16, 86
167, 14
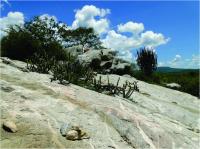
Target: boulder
89, 56
75, 50
101, 59
173, 85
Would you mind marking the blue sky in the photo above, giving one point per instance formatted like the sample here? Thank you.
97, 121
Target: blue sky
173, 26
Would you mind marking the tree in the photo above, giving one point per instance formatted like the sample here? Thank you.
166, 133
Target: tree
82, 36
18, 44
147, 60
36, 35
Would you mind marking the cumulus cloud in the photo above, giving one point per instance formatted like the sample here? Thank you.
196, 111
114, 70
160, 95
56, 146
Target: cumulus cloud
132, 27
119, 42
12, 18
91, 16
149, 38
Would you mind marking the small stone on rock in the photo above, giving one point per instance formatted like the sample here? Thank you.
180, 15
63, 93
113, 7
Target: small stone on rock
72, 135
9, 126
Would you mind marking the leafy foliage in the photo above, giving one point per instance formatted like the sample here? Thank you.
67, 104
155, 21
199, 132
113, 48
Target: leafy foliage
189, 81
18, 44
72, 71
111, 89
40, 62
147, 60
82, 36
36, 35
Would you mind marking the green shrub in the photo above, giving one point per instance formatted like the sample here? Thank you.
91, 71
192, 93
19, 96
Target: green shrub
41, 62
72, 71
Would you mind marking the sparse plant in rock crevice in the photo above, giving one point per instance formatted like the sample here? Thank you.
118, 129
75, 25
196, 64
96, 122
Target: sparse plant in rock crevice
125, 91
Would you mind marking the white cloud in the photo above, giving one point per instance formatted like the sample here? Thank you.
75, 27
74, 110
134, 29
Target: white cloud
179, 62
119, 42
12, 18
87, 17
132, 27
149, 38
176, 59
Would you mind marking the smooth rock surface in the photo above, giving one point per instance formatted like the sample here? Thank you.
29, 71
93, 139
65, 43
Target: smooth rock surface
157, 117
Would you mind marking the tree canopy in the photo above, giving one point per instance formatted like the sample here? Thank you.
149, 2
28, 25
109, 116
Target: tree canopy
39, 34
83, 36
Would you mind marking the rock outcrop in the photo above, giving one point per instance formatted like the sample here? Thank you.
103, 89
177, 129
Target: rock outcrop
104, 59
157, 117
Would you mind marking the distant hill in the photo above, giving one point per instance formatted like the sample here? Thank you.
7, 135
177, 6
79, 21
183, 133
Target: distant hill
169, 69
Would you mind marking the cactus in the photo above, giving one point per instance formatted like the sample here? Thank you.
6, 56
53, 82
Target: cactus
126, 90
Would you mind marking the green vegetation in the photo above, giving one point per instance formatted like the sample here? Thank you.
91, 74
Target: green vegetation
41, 62
169, 69
82, 36
147, 60
189, 81
72, 72
35, 36
111, 89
